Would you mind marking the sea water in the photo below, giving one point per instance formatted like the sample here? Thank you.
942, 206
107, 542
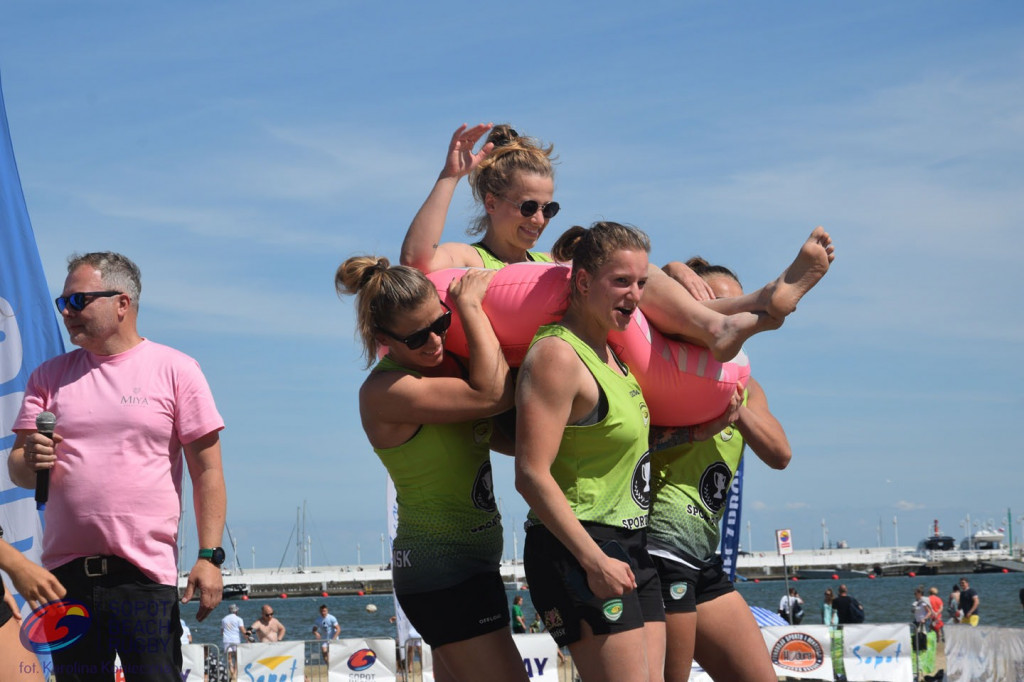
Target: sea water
885, 600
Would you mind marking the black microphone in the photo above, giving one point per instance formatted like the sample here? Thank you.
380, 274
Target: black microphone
44, 425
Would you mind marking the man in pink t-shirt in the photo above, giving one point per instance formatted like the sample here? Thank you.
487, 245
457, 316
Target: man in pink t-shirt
129, 414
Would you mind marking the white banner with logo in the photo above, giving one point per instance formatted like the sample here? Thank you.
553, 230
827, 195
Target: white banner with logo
193, 658
272, 661
540, 656
879, 653
801, 651
539, 652
362, 659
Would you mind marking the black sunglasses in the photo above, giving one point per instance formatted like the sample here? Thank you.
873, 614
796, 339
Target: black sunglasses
79, 300
421, 336
528, 208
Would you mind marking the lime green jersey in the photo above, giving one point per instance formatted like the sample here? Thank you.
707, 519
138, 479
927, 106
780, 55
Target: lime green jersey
690, 488
449, 528
604, 469
492, 262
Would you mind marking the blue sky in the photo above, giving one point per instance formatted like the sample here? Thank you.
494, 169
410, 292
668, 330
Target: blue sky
240, 151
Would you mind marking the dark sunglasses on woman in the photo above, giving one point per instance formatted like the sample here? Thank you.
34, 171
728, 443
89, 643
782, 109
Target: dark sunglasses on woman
421, 336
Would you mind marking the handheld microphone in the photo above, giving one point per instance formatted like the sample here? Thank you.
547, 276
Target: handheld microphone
44, 425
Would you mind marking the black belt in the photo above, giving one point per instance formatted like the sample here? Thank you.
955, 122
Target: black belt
99, 565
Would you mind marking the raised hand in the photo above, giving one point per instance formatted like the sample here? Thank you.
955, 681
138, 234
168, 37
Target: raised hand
461, 159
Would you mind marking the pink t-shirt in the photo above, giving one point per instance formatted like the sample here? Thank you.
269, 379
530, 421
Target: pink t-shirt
116, 488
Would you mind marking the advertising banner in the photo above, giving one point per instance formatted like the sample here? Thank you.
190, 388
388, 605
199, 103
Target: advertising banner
282, 661
362, 659
802, 651
877, 652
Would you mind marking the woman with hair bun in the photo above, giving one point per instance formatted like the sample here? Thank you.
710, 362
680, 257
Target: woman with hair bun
583, 466
428, 419
513, 181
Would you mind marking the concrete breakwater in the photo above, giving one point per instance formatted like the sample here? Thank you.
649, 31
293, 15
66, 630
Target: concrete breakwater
842, 562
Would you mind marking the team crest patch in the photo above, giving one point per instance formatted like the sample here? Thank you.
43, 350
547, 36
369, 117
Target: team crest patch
677, 590
612, 610
483, 488
714, 483
645, 414
640, 487
727, 433
553, 619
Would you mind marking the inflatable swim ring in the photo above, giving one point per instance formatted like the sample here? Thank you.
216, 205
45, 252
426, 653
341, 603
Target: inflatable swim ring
683, 384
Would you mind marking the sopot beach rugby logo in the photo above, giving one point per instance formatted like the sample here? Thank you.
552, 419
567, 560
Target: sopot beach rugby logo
54, 626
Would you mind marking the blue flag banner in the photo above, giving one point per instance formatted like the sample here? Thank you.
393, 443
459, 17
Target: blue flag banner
29, 334
731, 524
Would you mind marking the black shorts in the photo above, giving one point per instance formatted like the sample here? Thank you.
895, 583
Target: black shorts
5, 611
559, 590
683, 587
472, 608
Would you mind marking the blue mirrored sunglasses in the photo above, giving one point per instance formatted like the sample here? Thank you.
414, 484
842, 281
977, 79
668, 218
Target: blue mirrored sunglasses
80, 299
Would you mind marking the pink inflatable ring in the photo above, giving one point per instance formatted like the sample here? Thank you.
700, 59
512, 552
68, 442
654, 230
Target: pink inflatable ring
683, 384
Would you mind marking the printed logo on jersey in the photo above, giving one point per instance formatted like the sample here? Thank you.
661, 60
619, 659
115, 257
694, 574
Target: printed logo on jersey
714, 484
727, 433
481, 431
645, 414
553, 623
612, 610
483, 489
677, 590
640, 487
798, 652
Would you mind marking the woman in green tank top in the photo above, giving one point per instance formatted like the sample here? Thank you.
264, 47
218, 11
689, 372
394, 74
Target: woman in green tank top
513, 181
429, 422
700, 601
582, 466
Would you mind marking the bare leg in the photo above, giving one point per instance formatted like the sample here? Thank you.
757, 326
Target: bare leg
729, 644
675, 312
17, 662
681, 634
494, 652
654, 633
779, 298
611, 658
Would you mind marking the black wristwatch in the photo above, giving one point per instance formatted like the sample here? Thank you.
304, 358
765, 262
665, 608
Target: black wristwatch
215, 556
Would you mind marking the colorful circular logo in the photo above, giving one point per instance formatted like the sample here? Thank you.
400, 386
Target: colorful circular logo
612, 610
362, 659
54, 626
798, 652
678, 590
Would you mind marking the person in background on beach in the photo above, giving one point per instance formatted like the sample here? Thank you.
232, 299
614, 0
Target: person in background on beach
923, 614
703, 610
186, 633
828, 614
791, 607
847, 608
37, 586
518, 621
126, 410
428, 417
232, 632
953, 605
969, 602
326, 628
267, 628
535, 625
583, 466
936, 603
513, 181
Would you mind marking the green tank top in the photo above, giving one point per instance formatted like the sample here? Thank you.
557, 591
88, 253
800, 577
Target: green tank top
690, 486
604, 469
492, 262
449, 528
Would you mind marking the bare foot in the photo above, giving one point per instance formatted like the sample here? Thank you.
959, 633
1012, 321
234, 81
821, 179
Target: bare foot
736, 329
810, 265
